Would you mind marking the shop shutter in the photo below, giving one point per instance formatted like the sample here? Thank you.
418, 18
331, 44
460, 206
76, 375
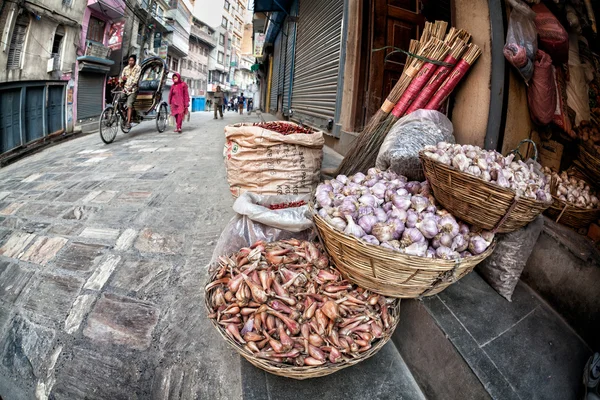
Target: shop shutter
282, 64
289, 59
275, 77
89, 95
317, 60
10, 119
17, 42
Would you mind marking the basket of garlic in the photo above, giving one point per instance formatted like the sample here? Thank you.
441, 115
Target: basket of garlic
389, 235
484, 188
575, 203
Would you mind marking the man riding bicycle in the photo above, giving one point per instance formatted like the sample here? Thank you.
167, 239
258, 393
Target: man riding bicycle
130, 75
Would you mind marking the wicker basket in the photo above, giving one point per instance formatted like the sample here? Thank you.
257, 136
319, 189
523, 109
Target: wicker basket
569, 214
480, 203
590, 163
306, 372
388, 272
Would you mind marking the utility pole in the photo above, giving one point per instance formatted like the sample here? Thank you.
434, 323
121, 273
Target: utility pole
145, 29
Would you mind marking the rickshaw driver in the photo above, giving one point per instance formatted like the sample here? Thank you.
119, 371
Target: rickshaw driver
130, 75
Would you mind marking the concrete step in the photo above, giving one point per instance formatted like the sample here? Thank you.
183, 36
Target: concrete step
470, 343
383, 376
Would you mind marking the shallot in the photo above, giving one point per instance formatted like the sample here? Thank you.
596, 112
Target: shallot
309, 314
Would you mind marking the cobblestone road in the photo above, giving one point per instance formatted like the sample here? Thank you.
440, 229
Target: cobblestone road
102, 260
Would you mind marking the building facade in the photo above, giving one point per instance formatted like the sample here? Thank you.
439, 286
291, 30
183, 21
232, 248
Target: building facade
195, 67
38, 67
93, 60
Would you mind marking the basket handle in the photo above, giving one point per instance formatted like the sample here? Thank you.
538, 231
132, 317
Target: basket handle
518, 153
562, 212
444, 277
503, 219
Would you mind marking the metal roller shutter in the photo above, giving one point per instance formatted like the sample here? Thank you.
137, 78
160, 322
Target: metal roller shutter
276, 68
282, 61
89, 95
289, 61
317, 60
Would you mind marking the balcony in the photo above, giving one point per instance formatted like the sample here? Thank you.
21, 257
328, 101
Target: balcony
95, 58
204, 36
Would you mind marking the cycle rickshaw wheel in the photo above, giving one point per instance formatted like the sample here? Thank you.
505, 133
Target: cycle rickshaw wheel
161, 118
109, 125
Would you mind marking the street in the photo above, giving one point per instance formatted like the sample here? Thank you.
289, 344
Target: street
103, 259
104, 253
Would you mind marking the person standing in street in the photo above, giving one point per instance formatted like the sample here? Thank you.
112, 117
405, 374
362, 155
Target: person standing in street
130, 77
179, 100
218, 98
241, 100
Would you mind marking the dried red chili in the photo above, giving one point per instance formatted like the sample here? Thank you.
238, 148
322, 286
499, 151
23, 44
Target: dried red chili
291, 204
283, 128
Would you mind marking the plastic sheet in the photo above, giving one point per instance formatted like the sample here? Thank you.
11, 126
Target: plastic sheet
400, 149
502, 270
254, 221
521, 40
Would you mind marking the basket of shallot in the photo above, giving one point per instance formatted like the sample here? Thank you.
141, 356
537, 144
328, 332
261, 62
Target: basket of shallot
575, 202
485, 188
286, 310
389, 236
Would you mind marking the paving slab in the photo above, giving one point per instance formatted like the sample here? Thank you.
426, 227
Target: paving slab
122, 321
50, 298
80, 256
13, 279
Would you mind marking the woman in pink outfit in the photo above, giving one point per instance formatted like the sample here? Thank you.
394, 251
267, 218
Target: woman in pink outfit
179, 100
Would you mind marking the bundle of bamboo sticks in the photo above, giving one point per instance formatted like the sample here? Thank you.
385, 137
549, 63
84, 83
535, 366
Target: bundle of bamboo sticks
423, 81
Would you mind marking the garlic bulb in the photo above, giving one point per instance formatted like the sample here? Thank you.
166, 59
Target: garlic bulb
571, 189
386, 210
525, 179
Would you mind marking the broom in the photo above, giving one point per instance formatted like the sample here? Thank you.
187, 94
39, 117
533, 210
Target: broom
438, 76
416, 47
367, 154
468, 59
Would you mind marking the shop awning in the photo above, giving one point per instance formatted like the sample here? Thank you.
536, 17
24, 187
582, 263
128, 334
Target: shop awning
273, 5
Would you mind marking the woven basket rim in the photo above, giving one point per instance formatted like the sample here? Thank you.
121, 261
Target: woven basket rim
304, 372
400, 256
558, 204
476, 180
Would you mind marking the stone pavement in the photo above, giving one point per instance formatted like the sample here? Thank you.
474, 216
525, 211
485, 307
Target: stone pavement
103, 251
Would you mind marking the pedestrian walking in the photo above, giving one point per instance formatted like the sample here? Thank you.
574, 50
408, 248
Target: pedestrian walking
250, 104
179, 100
241, 100
218, 98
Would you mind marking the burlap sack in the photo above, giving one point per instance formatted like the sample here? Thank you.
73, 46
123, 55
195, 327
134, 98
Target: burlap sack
269, 163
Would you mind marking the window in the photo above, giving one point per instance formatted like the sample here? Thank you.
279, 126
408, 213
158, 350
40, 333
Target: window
226, 5
229, 43
17, 42
224, 22
58, 37
227, 60
175, 65
220, 57
160, 13
95, 30
221, 39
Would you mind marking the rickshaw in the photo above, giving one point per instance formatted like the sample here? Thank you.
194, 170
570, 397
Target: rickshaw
147, 106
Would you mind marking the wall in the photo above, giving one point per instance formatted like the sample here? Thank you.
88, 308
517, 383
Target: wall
472, 97
518, 121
